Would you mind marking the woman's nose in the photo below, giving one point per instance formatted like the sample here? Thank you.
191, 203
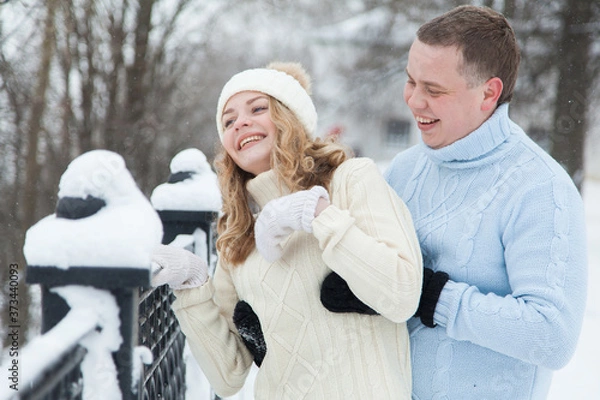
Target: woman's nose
241, 121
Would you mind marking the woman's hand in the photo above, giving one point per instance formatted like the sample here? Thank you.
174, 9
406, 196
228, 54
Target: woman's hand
178, 268
280, 217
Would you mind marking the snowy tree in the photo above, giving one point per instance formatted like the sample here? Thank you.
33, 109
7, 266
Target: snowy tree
99, 74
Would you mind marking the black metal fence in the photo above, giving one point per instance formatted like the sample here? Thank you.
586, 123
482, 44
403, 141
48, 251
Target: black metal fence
62, 380
159, 331
146, 320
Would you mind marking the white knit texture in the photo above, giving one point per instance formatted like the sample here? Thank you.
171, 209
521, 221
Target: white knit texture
179, 268
313, 354
284, 215
277, 84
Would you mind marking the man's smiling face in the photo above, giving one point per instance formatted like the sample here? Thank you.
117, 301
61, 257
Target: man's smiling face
444, 105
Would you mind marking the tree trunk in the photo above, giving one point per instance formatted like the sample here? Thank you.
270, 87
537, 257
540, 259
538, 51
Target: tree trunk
35, 119
32, 168
66, 63
88, 73
572, 93
140, 133
509, 10
137, 72
113, 122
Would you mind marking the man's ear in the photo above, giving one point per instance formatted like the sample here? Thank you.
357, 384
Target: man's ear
491, 93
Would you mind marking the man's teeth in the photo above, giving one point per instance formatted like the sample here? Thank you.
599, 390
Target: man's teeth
250, 139
422, 120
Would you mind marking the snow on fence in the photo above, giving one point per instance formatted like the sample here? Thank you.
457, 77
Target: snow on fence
106, 334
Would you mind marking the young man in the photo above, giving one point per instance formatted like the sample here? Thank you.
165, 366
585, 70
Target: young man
500, 223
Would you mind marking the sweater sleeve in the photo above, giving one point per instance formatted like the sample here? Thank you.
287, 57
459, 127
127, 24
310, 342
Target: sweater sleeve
205, 315
545, 256
368, 238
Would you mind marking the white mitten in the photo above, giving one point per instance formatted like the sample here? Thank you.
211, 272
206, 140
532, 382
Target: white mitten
178, 268
280, 217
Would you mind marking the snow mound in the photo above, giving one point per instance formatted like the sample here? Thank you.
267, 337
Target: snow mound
192, 186
120, 230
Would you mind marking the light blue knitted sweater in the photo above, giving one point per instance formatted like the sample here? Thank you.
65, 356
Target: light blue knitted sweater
505, 221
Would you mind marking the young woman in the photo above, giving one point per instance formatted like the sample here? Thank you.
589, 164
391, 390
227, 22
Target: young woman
298, 211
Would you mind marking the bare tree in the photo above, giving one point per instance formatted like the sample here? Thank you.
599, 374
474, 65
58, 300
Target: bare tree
140, 132
27, 211
580, 18
71, 89
35, 127
117, 32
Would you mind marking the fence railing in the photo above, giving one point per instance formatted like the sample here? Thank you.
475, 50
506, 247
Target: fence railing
122, 283
52, 362
146, 320
159, 331
59, 376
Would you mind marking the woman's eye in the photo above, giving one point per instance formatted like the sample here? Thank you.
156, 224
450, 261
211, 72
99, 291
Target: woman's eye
228, 123
258, 109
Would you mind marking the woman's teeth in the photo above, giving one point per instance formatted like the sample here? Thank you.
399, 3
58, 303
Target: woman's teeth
250, 139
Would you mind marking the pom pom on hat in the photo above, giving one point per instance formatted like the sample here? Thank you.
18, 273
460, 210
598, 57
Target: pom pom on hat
296, 71
287, 82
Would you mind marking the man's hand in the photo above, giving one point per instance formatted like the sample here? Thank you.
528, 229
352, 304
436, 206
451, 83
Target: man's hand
433, 283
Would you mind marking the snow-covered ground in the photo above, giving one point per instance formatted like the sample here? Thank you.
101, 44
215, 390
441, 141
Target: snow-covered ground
580, 379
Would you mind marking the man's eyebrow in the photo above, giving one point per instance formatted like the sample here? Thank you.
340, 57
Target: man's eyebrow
250, 101
426, 83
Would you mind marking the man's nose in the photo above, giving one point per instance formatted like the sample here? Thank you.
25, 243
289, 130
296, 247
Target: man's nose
415, 99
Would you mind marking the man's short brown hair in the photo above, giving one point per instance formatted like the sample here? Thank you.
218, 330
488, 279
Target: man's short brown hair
486, 41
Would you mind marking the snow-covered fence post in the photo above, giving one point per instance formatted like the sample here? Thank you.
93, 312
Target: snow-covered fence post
123, 286
188, 204
93, 255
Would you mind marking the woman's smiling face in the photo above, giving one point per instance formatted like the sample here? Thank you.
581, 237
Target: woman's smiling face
248, 131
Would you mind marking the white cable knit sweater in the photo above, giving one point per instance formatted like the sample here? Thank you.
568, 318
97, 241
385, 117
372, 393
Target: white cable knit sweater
367, 237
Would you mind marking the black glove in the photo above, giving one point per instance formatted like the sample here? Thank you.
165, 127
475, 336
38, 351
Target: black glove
248, 325
337, 297
433, 283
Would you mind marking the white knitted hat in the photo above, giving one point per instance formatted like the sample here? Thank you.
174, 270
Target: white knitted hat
277, 84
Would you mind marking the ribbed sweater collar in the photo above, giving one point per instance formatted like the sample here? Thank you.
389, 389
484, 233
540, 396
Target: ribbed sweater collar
264, 188
478, 143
